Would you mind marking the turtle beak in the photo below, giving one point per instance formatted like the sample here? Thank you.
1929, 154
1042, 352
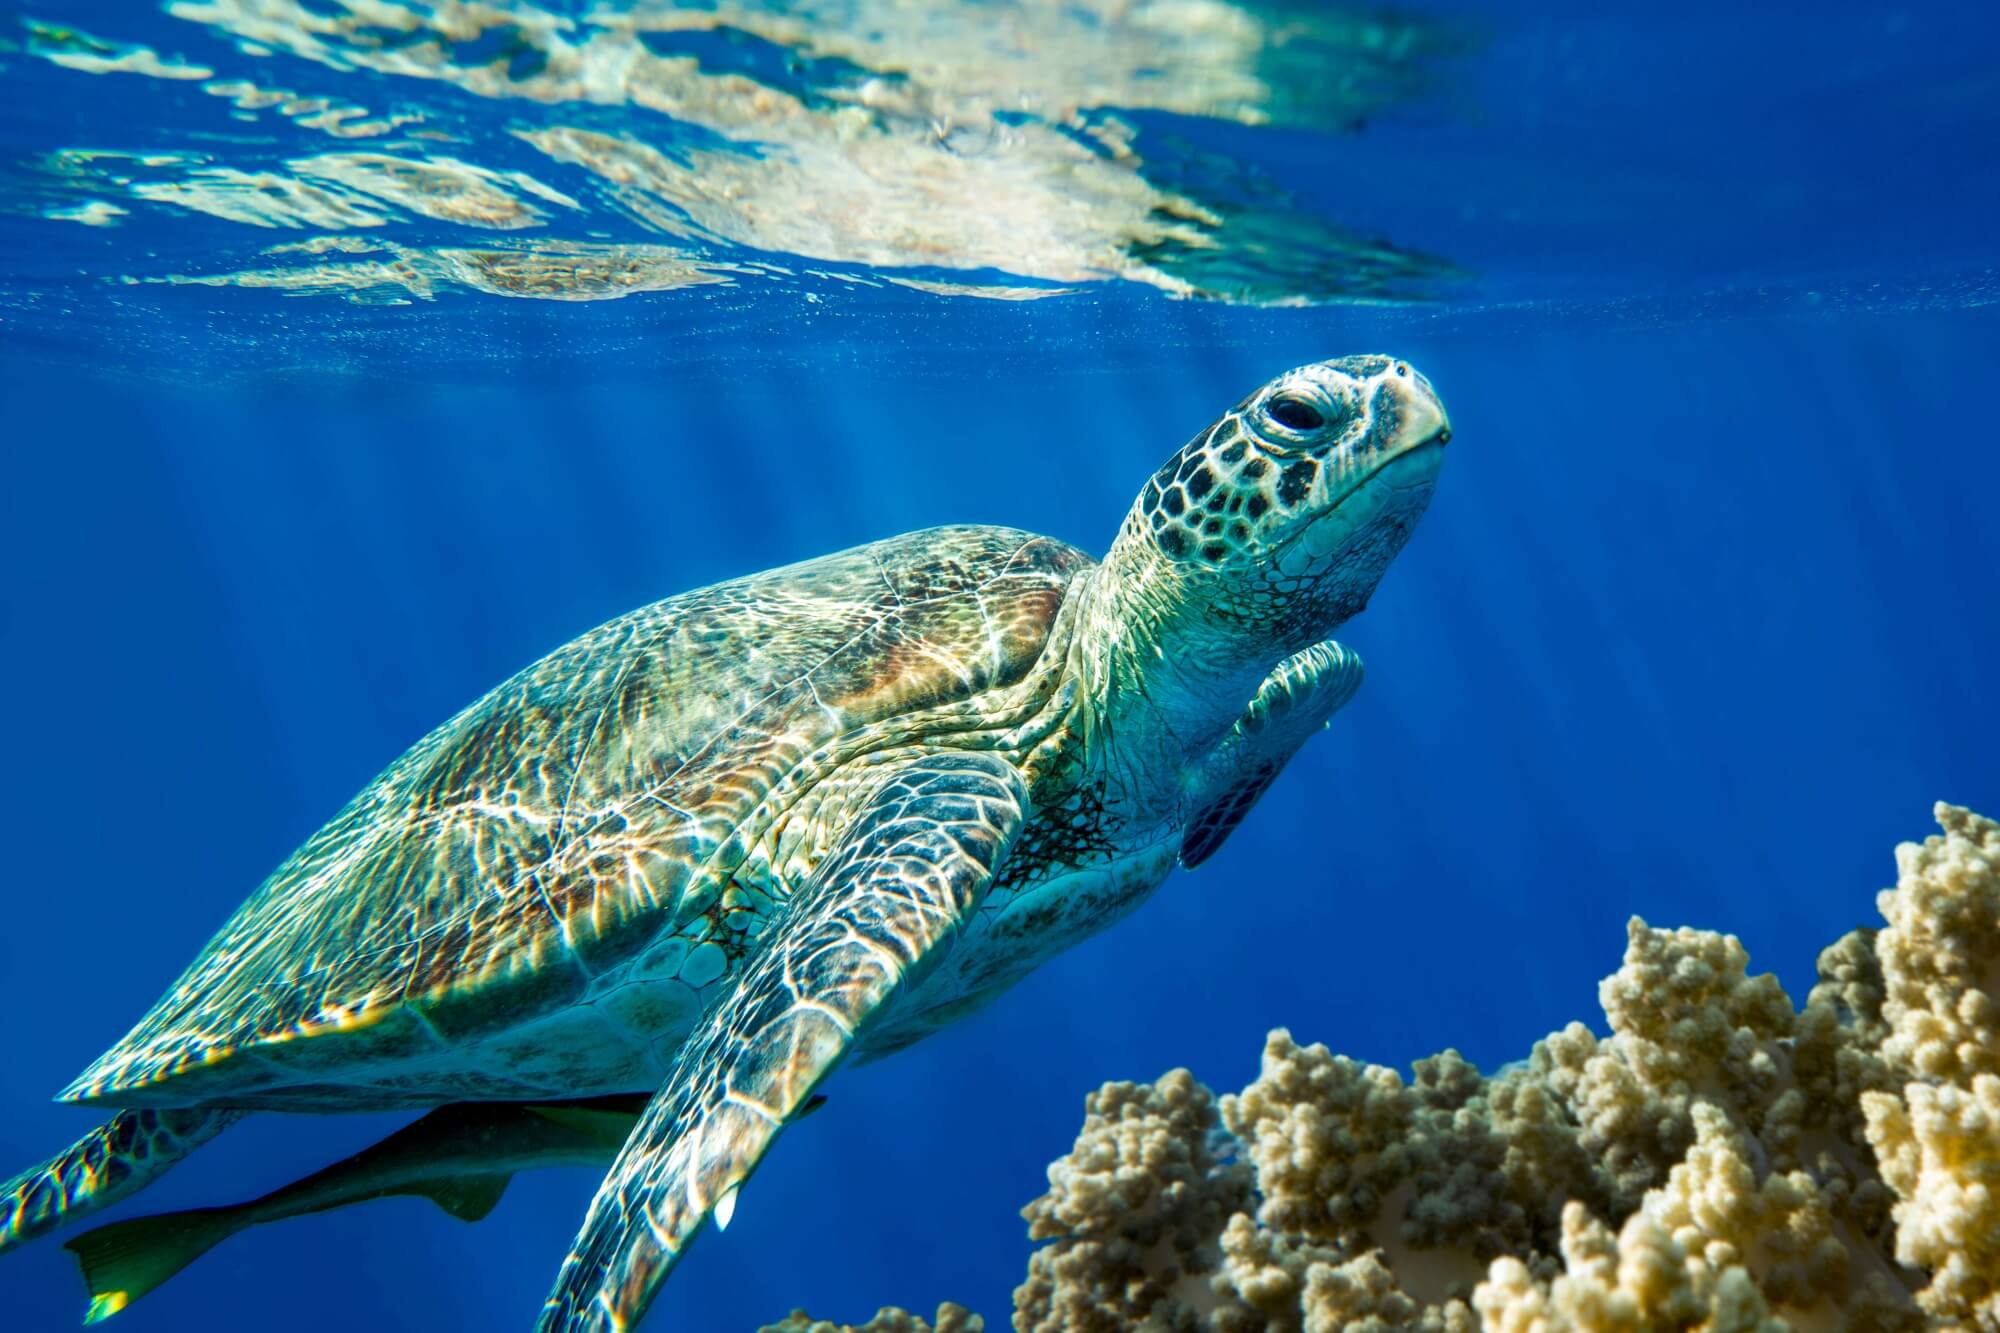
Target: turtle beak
1421, 419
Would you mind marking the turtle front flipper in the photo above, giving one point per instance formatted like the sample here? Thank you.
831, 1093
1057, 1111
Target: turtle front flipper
883, 904
113, 1161
1295, 701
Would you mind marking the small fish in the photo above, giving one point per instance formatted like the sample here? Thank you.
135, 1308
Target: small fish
460, 1157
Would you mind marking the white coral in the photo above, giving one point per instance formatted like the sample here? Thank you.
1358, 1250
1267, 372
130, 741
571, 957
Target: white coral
1940, 1151
1134, 1212
950, 1319
1640, 1280
1779, 1229
1764, 1169
1330, 1138
1940, 953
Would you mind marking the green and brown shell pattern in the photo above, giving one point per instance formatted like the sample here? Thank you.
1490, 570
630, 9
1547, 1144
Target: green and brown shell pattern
533, 900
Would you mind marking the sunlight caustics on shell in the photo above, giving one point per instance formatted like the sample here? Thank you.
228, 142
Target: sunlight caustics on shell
482, 903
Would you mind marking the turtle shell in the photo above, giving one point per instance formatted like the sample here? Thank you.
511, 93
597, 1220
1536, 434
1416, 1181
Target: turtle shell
547, 834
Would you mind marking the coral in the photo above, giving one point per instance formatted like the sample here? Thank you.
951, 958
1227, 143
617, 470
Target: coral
1329, 1138
1941, 952
1640, 1279
1935, 1128
1137, 1205
1720, 1161
1940, 1151
950, 1319
1687, 1020
1269, 1281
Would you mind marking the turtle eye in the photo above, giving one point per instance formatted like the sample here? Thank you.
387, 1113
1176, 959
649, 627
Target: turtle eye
1294, 413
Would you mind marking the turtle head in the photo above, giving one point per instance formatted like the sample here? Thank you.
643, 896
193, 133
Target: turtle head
1277, 521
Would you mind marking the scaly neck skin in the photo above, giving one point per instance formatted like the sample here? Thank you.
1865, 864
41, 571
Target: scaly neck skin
1264, 534
1163, 677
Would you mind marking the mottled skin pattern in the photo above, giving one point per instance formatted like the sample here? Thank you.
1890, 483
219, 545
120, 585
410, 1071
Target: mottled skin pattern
116, 1160
719, 845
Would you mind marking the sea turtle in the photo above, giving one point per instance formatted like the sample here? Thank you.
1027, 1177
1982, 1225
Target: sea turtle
719, 844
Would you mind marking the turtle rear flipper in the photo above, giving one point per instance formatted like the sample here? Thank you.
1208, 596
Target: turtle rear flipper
125, 1260
117, 1159
881, 908
459, 1157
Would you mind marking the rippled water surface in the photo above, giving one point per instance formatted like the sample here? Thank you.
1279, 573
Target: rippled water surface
390, 152
750, 163
355, 353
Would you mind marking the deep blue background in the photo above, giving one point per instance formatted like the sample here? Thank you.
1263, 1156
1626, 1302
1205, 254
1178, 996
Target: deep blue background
1700, 623
1702, 620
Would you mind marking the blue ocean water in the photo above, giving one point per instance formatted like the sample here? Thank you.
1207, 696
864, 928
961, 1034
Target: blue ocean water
1703, 618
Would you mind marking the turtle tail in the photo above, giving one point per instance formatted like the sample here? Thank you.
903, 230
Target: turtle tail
113, 1161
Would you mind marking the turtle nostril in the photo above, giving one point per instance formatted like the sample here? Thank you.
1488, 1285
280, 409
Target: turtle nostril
1444, 437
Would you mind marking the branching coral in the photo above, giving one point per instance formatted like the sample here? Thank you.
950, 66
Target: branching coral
1936, 1128
1941, 953
950, 1319
1720, 1161
1138, 1206
1639, 1280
